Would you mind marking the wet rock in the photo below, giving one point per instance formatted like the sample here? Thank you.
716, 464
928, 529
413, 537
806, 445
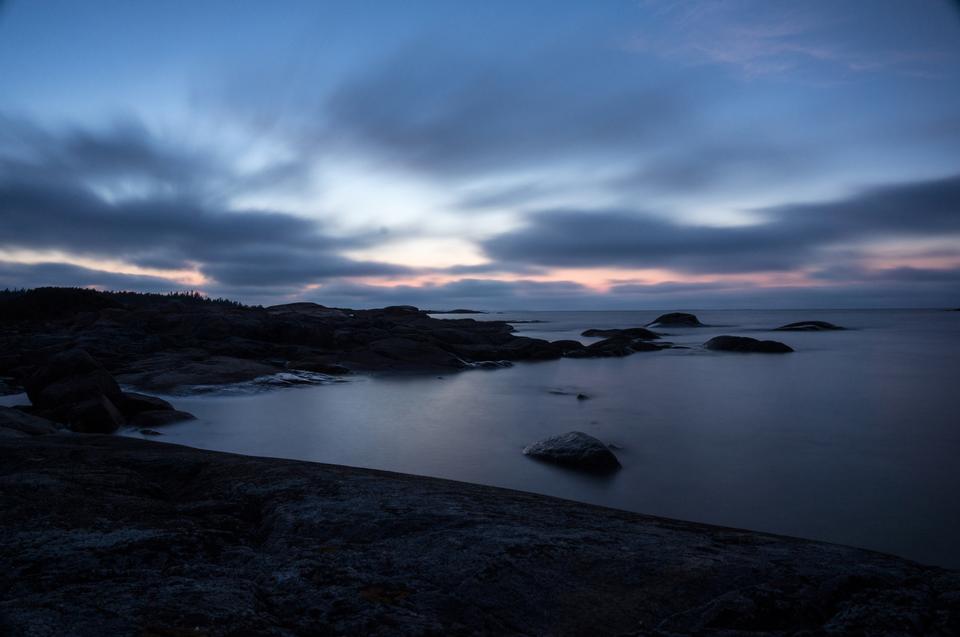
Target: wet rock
148, 419
746, 344
574, 449
808, 326
150, 432
640, 333
676, 319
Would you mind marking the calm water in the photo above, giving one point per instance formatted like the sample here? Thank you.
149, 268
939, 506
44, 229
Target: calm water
853, 439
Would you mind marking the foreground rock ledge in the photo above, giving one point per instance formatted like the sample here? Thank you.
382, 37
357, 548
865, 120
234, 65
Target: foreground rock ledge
104, 535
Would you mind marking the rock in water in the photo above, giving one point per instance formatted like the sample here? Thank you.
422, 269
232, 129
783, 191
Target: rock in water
75, 389
640, 333
574, 449
746, 344
677, 319
134, 403
808, 326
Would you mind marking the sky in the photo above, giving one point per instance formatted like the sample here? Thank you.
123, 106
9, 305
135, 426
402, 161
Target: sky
515, 154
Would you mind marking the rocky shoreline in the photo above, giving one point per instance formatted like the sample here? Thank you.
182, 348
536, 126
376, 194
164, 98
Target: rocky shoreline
103, 535
160, 342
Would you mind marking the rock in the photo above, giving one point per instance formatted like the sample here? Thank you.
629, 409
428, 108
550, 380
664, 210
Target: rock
574, 449
150, 432
70, 377
110, 535
418, 352
676, 319
400, 309
165, 343
134, 403
566, 346
640, 333
582, 397
96, 416
27, 424
746, 344
808, 326
321, 367
616, 346
148, 419
75, 389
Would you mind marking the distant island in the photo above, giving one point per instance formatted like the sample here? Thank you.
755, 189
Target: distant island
457, 311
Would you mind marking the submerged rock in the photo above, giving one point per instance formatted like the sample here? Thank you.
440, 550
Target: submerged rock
676, 319
574, 449
808, 326
746, 344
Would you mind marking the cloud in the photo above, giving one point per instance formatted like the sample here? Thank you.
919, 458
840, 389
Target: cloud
484, 294
31, 275
881, 289
788, 237
446, 113
761, 39
50, 200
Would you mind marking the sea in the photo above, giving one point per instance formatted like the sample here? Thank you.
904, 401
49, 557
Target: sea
854, 438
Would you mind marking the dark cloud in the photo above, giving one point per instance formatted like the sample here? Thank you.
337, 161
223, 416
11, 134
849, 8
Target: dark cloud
31, 275
47, 202
451, 114
788, 236
697, 168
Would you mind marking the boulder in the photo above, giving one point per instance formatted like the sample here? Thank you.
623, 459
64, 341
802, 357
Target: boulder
566, 346
75, 389
97, 415
612, 347
158, 418
69, 377
746, 344
134, 403
574, 449
808, 326
676, 319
